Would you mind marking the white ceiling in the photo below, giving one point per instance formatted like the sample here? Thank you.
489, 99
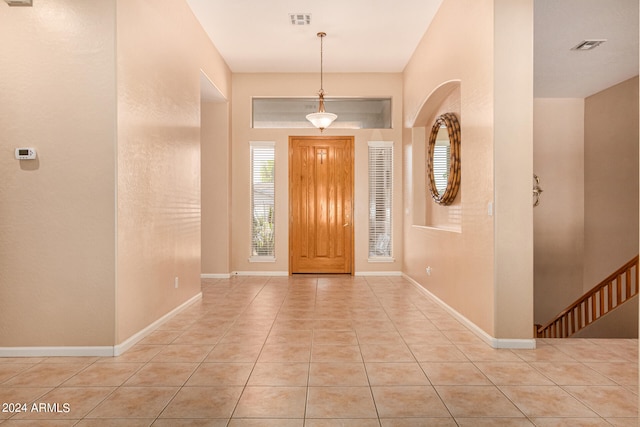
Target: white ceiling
362, 35
559, 25
256, 36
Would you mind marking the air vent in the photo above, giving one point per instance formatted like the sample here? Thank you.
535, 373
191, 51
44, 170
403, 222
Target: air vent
588, 44
300, 18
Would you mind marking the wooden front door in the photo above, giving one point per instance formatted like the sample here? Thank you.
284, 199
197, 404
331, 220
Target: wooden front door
320, 204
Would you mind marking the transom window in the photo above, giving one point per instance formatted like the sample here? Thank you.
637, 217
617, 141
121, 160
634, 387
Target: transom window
290, 113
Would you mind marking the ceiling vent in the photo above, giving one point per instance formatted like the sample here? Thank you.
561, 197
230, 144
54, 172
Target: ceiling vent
588, 44
300, 18
19, 2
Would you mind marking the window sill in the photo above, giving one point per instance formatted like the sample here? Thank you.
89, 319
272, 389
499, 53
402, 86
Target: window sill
448, 229
382, 259
258, 258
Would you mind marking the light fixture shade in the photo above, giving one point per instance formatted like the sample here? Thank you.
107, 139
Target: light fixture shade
321, 120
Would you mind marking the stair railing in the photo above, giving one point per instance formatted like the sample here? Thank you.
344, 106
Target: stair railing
616, 289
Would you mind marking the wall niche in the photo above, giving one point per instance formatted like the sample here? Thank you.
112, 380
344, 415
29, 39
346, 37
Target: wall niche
426, 211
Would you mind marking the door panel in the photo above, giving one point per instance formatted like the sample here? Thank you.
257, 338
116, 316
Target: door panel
320, 198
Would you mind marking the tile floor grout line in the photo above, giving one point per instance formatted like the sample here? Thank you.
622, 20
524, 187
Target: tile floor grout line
585, 404
413, 355
375, 403
306, 395
246, 384
201, 362
434, 386
426, 375
351, 308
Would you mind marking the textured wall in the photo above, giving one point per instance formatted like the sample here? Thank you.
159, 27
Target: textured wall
57, 225
161, 49
216, 188
485, 270
611, 180
559, 218
462, 262
109, 214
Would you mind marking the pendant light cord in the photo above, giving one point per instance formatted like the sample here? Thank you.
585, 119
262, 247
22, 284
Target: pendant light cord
321, 119
321, 35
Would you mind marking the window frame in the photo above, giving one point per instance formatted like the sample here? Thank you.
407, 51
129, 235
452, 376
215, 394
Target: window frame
254, 146
386, 149
353, 112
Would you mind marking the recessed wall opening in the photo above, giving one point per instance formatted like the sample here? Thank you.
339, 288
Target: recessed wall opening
215, 188
426, 212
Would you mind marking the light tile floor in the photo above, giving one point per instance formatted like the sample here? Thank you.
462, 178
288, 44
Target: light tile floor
325, 351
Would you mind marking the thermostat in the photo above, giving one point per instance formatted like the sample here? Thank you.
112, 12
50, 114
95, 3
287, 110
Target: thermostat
25, 153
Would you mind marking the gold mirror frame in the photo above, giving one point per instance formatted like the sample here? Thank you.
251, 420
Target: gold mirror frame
450, 121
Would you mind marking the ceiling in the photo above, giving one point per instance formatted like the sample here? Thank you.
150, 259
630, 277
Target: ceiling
559, 25
256, 36
380, 36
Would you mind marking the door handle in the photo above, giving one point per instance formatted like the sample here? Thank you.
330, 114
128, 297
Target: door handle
345, 225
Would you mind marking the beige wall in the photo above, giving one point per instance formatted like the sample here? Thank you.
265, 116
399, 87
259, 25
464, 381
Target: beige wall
585, 227
94, 232
513, 167
216, 188
437, 216
57, 223
246, 86
558, 160
611, 180
159, 210
493, 291
620, 323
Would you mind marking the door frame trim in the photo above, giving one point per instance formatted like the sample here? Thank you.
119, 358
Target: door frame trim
351, 235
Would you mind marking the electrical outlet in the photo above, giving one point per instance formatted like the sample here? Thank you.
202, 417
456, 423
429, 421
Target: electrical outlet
428, 269
176, 283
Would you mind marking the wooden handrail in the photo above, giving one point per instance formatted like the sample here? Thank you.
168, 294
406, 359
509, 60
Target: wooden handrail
616, 289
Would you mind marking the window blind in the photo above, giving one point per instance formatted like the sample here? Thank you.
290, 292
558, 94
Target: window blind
262, 199
380, 199
441, 155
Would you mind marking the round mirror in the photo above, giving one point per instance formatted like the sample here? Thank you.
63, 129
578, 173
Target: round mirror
443, 159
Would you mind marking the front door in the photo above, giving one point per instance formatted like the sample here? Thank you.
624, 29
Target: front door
320, 204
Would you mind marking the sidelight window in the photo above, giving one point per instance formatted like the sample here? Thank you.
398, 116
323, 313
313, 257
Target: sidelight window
262, 201
380, 200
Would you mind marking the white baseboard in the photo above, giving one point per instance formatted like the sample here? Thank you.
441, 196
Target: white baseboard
216, 276
378, 273
260, 273
132, 340
286, 273
492, 341
100, 351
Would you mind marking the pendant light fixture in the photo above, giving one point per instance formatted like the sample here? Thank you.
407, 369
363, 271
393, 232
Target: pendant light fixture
321, 119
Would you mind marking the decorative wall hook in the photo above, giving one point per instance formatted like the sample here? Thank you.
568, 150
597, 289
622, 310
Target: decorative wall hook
536, 190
